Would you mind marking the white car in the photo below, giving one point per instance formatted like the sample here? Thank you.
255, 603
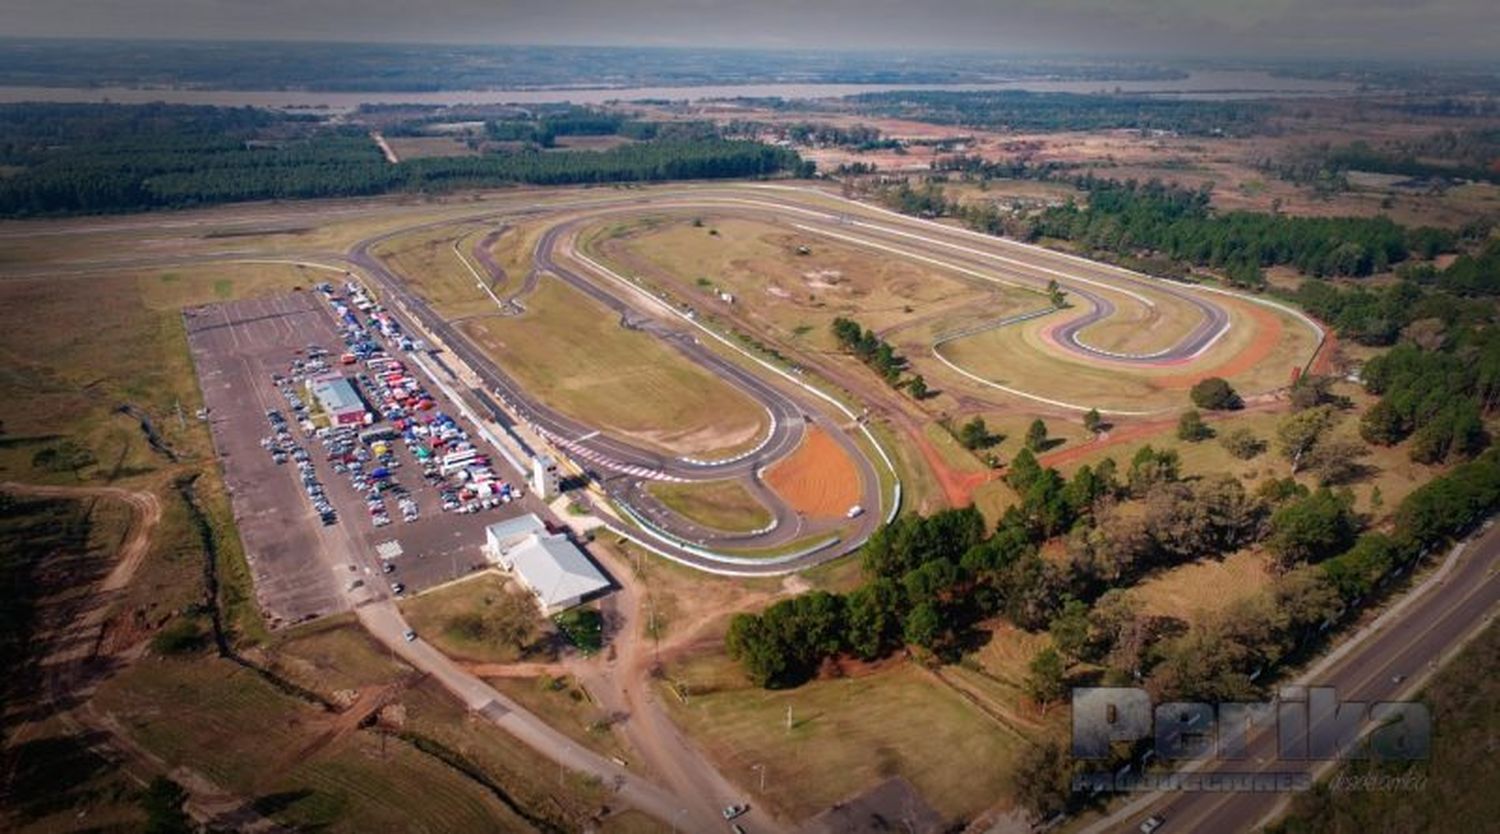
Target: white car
1152, 823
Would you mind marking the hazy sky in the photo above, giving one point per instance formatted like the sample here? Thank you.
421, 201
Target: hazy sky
1242, 28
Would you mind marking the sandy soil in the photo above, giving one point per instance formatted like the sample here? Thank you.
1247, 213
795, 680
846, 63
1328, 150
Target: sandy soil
818, 479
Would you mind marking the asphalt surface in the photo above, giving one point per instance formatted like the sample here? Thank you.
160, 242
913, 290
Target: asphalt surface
622, 467
236, 347
1387, 663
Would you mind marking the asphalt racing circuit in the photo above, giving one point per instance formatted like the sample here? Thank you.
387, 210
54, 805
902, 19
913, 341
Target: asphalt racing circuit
621, 468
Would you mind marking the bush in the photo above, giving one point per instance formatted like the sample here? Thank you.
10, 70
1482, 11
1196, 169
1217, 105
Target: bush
1190, 427
1215, 394
183, 635
1242, 443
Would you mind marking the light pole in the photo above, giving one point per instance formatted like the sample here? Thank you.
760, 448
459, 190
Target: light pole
762, 769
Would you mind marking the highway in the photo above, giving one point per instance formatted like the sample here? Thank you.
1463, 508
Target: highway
1390, 661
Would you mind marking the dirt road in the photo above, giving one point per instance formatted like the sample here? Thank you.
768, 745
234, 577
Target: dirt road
74, 660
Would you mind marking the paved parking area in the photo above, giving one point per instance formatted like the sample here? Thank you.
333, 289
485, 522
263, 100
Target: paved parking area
302, 568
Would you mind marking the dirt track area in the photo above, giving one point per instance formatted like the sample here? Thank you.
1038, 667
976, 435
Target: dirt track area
818, 479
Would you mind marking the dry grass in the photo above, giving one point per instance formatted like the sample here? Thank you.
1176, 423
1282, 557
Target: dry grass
570, 353
437, 616
904, 723
795, 297
721, 505
425, 260
565, 706
1198, 590
415, 147
1019, 357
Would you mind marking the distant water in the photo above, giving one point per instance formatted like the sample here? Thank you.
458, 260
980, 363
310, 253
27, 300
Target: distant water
1200, 85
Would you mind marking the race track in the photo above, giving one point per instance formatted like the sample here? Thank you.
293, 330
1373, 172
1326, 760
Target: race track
622, 467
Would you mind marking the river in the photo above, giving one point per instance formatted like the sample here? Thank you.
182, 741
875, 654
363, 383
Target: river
1204, 84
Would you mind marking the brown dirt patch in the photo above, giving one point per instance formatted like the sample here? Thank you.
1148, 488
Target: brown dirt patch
818, 479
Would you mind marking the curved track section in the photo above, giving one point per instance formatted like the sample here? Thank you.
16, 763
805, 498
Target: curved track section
623, 468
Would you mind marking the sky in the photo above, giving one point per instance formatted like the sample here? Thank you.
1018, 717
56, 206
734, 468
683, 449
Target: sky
1377, 29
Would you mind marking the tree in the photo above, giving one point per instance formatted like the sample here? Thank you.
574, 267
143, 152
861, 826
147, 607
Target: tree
1044, 780
1310, 391
924, 627
1024, 471
1312, 528
1300, 432
66, 456
1092, 422
1336, 460
1190, 427
1242, 443
1214, 394
1382, 425
1070, 629
917, 387
1036, 435
751, 643
874, 618
1046, 681
975, 435
1150, 467
162, 801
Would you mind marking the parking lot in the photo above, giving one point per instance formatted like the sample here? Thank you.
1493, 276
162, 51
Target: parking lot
317, 505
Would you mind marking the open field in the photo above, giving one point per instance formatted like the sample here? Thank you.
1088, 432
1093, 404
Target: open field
1197, 591
721, 505
571, 355
795, 297
194, 714
469, 619
818, 479
415, 147
958, 760
426, 260
1259, 353
566, 706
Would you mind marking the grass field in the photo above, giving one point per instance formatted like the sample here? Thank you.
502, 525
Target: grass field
846, 735
194, 715
795, 297
425, 259
574, 356
566, 707
51, 551
332, 654
1019, 357
1196, 591
416, 147
721, 505
464, 619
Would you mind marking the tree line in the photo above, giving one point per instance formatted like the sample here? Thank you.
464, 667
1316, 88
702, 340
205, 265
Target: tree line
1020, 110
876, 352
112, 158
1127, 217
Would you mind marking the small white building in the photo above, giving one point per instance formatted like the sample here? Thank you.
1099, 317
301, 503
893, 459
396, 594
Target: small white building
548, 564
544, 477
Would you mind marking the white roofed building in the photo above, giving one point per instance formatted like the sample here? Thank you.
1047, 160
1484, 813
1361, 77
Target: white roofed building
548, 564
